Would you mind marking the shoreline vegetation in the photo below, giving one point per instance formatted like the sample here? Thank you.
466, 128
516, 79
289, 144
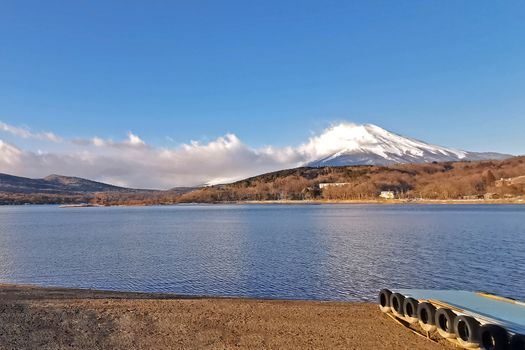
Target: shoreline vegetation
391, 201
469, 182
34, 317
328, 202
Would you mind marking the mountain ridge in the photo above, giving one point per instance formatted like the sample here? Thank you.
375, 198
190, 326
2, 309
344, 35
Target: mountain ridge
445, 180
343, 145
55, 184
369, 144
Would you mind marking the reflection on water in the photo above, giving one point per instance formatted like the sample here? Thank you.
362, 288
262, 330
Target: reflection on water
342, 252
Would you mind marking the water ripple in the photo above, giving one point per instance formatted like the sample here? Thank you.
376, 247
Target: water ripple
327, 252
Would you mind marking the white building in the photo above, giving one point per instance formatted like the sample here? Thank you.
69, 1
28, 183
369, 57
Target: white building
330, 184
387, 194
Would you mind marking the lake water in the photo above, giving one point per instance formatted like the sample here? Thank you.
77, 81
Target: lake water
330, 252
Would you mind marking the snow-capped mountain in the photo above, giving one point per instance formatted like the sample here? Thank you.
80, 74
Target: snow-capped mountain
351, 144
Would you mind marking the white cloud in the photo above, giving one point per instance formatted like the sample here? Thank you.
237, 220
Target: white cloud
26, 133
132, 140
9, 154
330, 140
133, 163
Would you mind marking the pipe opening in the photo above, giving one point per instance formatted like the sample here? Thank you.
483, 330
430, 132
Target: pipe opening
424, 316
488, 341
383, 300
518, 343
463, 331
395, 304
409, 310
443, 323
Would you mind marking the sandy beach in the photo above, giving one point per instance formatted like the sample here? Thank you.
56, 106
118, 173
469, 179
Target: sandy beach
54, 318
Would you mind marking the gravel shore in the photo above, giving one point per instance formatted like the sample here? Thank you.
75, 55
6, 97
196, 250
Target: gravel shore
55, 318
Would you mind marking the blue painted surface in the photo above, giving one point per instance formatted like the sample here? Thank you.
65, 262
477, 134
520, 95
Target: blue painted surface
506, 313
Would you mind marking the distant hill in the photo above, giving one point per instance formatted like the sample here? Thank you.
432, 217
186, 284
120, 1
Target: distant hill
436, 180
55, 184
58, 189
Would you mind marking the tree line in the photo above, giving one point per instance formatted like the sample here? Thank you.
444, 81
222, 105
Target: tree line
449, 180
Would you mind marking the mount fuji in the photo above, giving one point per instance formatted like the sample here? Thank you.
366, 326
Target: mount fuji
352, 144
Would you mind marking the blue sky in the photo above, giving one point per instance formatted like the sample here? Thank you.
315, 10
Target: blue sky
100, 89
271, 72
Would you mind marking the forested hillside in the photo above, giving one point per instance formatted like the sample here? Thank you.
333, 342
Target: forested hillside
450, 180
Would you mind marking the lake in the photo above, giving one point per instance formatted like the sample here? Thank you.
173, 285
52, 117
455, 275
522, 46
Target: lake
327, 252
